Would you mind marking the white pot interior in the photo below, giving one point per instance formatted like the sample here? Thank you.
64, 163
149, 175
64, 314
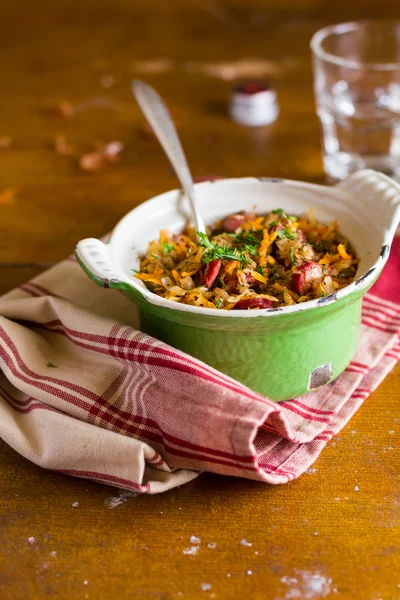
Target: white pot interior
217, 199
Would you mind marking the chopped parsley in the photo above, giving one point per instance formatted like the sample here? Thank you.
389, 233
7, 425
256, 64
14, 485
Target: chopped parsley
222, 282
291, 235
291, 254
218, 303
250, 249
248, 238
214, 252
167, 247
286, 233
278, 211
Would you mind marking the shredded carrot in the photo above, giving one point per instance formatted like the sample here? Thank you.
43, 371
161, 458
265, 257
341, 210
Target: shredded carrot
292, 294
191, 231
165, 236
191, 272
201, 301
186, 239
262, 252
271, 260
288, 299
329, 258
254, 225
191, 296
231, 266
273, 237
149, 278
279, 287
343, 253
304, 225
258, 276
325, 233
268, 296
175, 275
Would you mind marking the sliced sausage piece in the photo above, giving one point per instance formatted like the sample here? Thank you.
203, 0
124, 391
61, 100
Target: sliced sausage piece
301, 236
306, 276
233, 222
211, 272
247, 303
231, 283
252, 281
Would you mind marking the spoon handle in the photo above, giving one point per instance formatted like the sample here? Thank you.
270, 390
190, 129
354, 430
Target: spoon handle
159, 118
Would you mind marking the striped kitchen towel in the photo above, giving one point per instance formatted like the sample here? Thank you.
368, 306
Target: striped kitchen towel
84, 392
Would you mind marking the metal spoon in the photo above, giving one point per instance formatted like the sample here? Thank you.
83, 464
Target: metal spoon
159, 118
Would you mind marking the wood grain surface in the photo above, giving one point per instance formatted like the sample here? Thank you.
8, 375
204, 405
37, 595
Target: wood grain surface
333, 533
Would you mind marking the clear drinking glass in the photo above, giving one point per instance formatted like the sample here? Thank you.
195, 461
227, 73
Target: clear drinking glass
357, 93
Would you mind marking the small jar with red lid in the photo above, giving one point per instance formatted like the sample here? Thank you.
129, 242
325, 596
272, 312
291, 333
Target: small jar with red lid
253, 104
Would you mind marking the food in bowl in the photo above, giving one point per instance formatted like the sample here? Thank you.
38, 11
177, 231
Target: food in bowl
250, 262
282, 352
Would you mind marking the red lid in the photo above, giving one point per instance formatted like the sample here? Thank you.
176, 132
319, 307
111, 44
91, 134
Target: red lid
250, 88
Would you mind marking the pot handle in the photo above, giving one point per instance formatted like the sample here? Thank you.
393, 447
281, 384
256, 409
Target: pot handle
378, 196
94, 258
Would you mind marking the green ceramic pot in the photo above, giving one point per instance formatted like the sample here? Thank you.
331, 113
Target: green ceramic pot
281, 352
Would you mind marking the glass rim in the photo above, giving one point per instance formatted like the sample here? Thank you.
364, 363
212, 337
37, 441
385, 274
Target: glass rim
340, 28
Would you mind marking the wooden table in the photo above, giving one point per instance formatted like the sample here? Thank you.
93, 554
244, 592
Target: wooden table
337, 527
